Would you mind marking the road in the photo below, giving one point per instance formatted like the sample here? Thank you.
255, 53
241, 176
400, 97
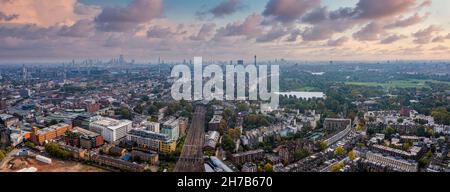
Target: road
8, 158
191, 158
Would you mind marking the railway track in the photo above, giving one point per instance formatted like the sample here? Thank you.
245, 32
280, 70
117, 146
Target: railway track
191, 158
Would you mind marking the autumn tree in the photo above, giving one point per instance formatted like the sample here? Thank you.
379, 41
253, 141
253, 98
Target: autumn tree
352, 155
268, 167
339, 150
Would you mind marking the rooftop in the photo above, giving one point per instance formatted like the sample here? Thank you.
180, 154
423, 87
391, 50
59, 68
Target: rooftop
111, 123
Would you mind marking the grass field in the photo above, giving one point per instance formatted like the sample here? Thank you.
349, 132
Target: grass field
398, 84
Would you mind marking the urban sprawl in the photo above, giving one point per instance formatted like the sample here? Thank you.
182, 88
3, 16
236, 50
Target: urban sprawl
116, 115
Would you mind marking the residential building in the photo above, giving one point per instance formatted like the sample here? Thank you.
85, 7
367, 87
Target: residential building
146, 139
8, 120
332, 124
248, 156
214, 124
84, 138
396, 164
40, 136
171, 128
152, 126
168, 146
249, 167
151, 158
118, 163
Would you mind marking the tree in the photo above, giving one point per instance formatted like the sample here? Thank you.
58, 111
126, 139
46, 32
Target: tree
337, 167
2, 155
441, 116
359, 127
152, 110
268, 167
139, 109
323, 145
223, 126
352, 155
153, 119
389, 132
29, 144
56, 151
234, 133
339, 150
228, 143
125, 112
300, 154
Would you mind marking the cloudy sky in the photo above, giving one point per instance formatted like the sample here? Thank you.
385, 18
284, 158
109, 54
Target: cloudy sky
37, 30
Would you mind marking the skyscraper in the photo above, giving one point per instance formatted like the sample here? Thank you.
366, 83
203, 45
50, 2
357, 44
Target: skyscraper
24, 73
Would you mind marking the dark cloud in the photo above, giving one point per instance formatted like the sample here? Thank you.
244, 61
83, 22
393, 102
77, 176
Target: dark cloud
342, 13
160, 32
121, 19
83, 28
273, 34
370, 9
440, 38
4, 17
392, 38
317, 33
326, 29
287, 11
337, 42
425, 36
28, 31
325, 23
227, 7
251, 27
294, 35
415, 19
316, 16
371, 32
205, 31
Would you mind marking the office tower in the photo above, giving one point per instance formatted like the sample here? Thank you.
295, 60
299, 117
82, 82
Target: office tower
24, 73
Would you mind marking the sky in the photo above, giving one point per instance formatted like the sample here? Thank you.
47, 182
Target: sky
48, 30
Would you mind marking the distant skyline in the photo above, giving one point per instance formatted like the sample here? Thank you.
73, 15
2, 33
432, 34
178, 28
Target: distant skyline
48, 30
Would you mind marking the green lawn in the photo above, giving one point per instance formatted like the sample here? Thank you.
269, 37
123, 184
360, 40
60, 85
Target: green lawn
398, 84
307, 89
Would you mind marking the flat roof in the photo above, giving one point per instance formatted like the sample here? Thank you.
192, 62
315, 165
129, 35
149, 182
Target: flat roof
85, 132
110, 123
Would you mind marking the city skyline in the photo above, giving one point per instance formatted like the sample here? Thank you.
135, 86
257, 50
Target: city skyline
43, 30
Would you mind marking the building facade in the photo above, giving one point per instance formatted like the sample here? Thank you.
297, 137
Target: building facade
112, 130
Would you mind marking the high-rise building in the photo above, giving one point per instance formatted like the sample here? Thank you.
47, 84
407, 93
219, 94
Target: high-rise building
24, 73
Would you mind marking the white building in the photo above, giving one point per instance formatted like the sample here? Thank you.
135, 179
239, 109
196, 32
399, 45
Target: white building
111, 129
